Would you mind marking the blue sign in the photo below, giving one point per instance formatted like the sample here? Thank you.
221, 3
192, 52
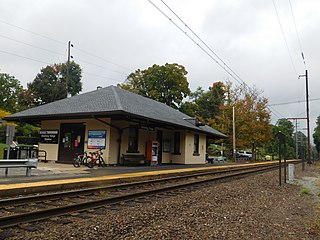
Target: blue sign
97, 139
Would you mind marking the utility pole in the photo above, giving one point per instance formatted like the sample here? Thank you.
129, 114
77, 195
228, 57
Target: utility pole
68, 67
234, 133
297, 139
308, 114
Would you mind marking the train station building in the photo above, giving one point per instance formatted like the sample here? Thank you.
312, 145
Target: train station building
126, 126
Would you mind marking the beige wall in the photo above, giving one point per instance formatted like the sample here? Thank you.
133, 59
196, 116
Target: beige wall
91, 124
110, 154
190, 157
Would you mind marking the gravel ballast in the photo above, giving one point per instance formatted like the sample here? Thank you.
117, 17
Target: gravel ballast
254, 207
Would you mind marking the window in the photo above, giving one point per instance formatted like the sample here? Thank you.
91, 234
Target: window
176, 142
133, 139
196, 144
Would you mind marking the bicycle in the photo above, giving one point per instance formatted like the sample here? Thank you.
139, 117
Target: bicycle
81, 159
96, 157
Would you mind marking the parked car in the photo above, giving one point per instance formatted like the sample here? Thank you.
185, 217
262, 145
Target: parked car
220, 158
244, 155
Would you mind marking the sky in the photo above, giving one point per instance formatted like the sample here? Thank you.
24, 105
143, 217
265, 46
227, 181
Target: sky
260, 41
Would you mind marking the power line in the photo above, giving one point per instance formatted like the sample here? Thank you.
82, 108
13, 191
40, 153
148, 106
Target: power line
35, 60
210, 49
99, 76
293, 102
60, 54
284, 37
223, 65
34, 33
112, 70
59, 42
298, 37
275, 112
103, 59
30, 45
32, 59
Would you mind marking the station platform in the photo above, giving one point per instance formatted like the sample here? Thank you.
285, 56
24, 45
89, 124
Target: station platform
58, 177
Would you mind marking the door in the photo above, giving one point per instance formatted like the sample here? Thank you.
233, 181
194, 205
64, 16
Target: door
159, 139
71, 141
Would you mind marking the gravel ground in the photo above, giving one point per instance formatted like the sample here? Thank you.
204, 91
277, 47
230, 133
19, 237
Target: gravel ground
255, 207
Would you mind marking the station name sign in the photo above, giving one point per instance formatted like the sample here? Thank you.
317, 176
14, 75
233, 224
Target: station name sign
49, 136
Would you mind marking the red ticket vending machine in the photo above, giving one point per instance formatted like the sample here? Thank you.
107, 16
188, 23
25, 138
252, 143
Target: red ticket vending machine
152, 152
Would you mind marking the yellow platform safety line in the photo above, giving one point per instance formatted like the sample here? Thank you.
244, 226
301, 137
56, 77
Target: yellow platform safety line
120, 176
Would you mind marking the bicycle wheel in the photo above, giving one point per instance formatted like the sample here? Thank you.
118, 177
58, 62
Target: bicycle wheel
85, 160
101, 162
90, 162
77, 161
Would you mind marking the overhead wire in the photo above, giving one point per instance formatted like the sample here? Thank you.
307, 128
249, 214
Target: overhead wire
17, 55
60, 54
206, 45
297, 34
103, 59
56, 41
222, 64
284, 37
30, 45
293, 102
275, 112
93, 64
40, 61
32, 32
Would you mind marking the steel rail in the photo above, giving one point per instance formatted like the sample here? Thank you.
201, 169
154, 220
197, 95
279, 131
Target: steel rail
17, 219
59, 195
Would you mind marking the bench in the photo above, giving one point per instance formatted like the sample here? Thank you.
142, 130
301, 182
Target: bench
134, 159
19, 163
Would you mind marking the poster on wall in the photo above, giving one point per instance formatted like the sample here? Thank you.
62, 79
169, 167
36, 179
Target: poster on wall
97, 139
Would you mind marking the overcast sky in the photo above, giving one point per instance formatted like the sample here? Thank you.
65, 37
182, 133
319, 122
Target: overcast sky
112, 38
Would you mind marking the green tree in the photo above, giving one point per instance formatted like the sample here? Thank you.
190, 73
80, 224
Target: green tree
316, 136
166, 83
53, 83
210, 102
286, 127
205, 105
302, 144
9, 91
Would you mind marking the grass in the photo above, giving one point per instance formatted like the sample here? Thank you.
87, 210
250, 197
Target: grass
306, 191
2, 147
313, 225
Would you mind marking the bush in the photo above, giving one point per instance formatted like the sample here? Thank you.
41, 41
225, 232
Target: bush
28, 140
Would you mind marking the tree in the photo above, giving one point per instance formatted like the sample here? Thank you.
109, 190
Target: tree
316, 136
210, 102
10, 89
286, 127
252, 118
3, 125
167, 83
205, 105
53, 83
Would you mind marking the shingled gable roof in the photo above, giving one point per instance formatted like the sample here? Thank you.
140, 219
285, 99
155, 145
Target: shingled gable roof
112, 101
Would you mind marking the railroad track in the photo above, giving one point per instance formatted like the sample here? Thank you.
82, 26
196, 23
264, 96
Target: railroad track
17, 211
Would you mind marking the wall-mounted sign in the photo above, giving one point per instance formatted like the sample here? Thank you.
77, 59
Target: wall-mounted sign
166, 146
97, 139
49, 136
147, 128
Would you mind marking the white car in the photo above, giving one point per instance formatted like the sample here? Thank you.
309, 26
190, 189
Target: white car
244, 155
